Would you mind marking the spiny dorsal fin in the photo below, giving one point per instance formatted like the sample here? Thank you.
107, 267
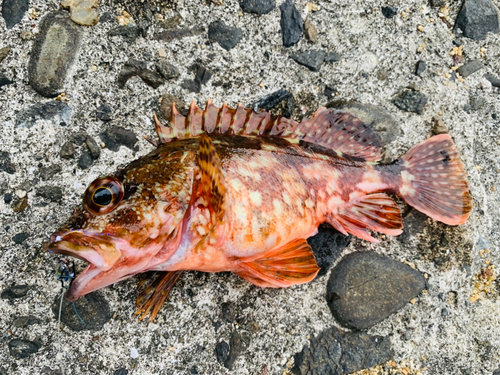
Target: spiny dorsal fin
333, 129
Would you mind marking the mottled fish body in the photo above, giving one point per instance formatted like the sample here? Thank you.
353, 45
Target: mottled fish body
239, 190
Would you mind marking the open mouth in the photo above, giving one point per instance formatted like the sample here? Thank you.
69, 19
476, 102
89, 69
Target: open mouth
98, 253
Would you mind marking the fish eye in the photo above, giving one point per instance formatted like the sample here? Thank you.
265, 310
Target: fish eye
103, 195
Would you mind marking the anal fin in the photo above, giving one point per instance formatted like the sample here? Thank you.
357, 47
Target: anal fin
287, 265
377, 212
154, 291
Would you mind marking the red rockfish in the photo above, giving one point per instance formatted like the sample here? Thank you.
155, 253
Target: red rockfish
240, 190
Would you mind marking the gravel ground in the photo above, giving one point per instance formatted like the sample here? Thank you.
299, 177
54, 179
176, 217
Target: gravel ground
451, 328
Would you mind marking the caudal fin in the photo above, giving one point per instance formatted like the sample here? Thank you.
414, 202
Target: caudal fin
433, 181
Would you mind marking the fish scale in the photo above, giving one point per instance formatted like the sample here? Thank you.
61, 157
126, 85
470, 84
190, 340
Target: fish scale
241, 190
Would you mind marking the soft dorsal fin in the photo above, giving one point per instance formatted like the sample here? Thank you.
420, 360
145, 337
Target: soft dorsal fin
211, 190
333, 129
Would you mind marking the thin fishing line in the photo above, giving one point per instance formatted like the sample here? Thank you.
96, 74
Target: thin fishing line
78, 315
59, 333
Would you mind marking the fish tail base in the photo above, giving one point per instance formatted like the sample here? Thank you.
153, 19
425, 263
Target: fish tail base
433, 180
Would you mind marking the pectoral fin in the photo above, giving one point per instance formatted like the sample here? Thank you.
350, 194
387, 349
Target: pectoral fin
377, 212
291, 264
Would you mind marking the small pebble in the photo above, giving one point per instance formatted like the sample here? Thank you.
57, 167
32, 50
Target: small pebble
310, 31
134, 353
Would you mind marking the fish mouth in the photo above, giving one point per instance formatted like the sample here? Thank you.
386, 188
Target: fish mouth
100, 254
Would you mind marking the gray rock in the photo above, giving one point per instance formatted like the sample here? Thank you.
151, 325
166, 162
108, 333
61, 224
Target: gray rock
226, 36
476, 102
257, 6
170, 35
365, 288
121, 371
20, 238
95, 150
104, 113
46, 173
151, 78
85, 160
438, 3
59, 113
19, 348
4, 80
46, 370
14, 292
411, 101
389, 12
167, 70
413, 224
375, 117
334, 352
7, 198
327, 245
272, 100
332, 57
25, 321
139, 68
93, 312
129, 33
67, 151
497, 371
470, 68
13, 11
172, 22
53, 53
203, 75
79, 138
222, 351
420, 68
476, 19
311, 59
240, 340
291, 23
4, 52
52, 193
495, 82
117, 136
191, 85
6, 164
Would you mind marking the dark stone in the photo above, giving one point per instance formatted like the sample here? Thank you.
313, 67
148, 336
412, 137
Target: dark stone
467, 108
79, 138
14, 292
4, 81
476, 19
20, 238
257, 6
67, 151
222, 351
170, 35
25, 321
93, 310
332, 57
4, 52
411, 101
104, 113
46, 173
19, 348
117, 136
457, 42
365, 288
240, 340
168, 71
495, 82
272, 100
226, 36
330, 91
7, 198
470, 68
13, 11
52, 193
151, 78
121, 371
327, 245
139, 68
5, 163
166, 105
334, 352
389, 12
54, 111
172, 22
310, 59
375, 117
228, 312
476, 102
85, 160
191, 86
53, 53
444, 312
194, 370
95, 150
291, 23
420, 68
438, 3
413, 224
203, 75
129, 33
497, 371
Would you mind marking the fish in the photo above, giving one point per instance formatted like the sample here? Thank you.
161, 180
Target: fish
241, 190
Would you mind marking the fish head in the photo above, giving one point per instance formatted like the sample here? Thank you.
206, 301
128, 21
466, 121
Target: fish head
126, 219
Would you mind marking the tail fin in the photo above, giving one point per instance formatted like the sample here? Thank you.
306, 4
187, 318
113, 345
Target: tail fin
433, 181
